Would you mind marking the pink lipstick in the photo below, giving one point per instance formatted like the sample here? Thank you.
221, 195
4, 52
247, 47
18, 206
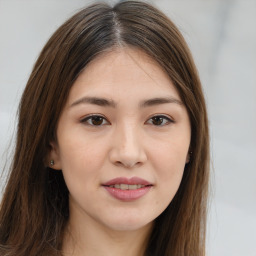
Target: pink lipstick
127, 189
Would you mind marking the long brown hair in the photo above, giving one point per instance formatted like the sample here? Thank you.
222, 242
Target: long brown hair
34, 210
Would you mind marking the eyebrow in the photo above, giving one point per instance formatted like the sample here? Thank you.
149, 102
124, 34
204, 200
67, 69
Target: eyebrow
95, 101
103, 102
159, 101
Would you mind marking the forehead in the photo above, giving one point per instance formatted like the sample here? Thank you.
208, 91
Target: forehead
123, 72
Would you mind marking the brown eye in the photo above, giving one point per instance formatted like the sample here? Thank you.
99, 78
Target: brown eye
160, 120
95, 120
157, 120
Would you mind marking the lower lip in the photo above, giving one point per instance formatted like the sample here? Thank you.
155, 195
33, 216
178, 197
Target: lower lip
127, 195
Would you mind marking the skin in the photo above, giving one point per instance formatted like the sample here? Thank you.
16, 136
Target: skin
126, 142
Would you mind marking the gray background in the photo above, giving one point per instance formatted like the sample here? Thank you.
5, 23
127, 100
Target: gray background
222, 37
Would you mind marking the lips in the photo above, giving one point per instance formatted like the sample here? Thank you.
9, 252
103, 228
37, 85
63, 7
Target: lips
131, 181
126, 189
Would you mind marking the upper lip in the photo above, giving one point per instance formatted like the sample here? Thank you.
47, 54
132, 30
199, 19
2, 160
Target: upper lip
129, 181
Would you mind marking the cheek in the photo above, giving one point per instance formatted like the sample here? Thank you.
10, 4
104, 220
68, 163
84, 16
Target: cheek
169, 162
81, 161
169, 158
76, 147
170, 174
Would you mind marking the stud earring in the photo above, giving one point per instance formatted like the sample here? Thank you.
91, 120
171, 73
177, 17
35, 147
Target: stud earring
189, 157
51, 162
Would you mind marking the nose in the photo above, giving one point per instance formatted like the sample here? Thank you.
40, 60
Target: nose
127, 148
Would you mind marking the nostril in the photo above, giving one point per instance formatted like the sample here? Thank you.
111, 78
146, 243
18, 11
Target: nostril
120, 163
127, 164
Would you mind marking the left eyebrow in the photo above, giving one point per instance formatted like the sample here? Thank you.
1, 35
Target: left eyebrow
110, 103
158, 101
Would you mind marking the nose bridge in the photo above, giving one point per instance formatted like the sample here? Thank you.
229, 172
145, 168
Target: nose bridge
128, 133
128, 148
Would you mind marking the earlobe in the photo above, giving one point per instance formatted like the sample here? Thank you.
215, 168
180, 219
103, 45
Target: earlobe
53, 159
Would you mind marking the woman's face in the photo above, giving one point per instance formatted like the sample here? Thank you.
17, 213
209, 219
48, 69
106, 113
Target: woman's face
122, 141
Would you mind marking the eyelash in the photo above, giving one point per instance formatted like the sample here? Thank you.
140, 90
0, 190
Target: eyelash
86, 121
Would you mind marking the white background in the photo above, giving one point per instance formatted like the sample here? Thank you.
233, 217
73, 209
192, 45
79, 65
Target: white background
222, 37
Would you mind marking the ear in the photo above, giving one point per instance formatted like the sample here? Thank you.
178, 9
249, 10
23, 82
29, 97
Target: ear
53, 159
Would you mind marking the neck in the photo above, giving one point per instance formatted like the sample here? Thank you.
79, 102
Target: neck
84, 238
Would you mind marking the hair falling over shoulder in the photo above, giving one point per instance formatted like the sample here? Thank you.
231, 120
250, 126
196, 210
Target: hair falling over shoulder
34, 209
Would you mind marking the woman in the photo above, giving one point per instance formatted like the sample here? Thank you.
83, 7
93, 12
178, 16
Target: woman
112, 147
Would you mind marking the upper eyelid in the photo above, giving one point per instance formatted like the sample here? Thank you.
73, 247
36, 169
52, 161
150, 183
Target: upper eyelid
92, 115
168, 121
88, 117
163, 115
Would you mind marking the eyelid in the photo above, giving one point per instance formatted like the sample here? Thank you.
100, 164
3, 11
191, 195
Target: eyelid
166, 117
86, 118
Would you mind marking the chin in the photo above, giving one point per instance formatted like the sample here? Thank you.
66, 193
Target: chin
128, 223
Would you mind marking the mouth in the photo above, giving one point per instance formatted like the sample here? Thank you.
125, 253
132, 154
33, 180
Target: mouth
127, 181
125, 189
127, 186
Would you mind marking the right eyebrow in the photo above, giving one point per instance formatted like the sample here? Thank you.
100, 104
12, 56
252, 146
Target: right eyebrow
95, 101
